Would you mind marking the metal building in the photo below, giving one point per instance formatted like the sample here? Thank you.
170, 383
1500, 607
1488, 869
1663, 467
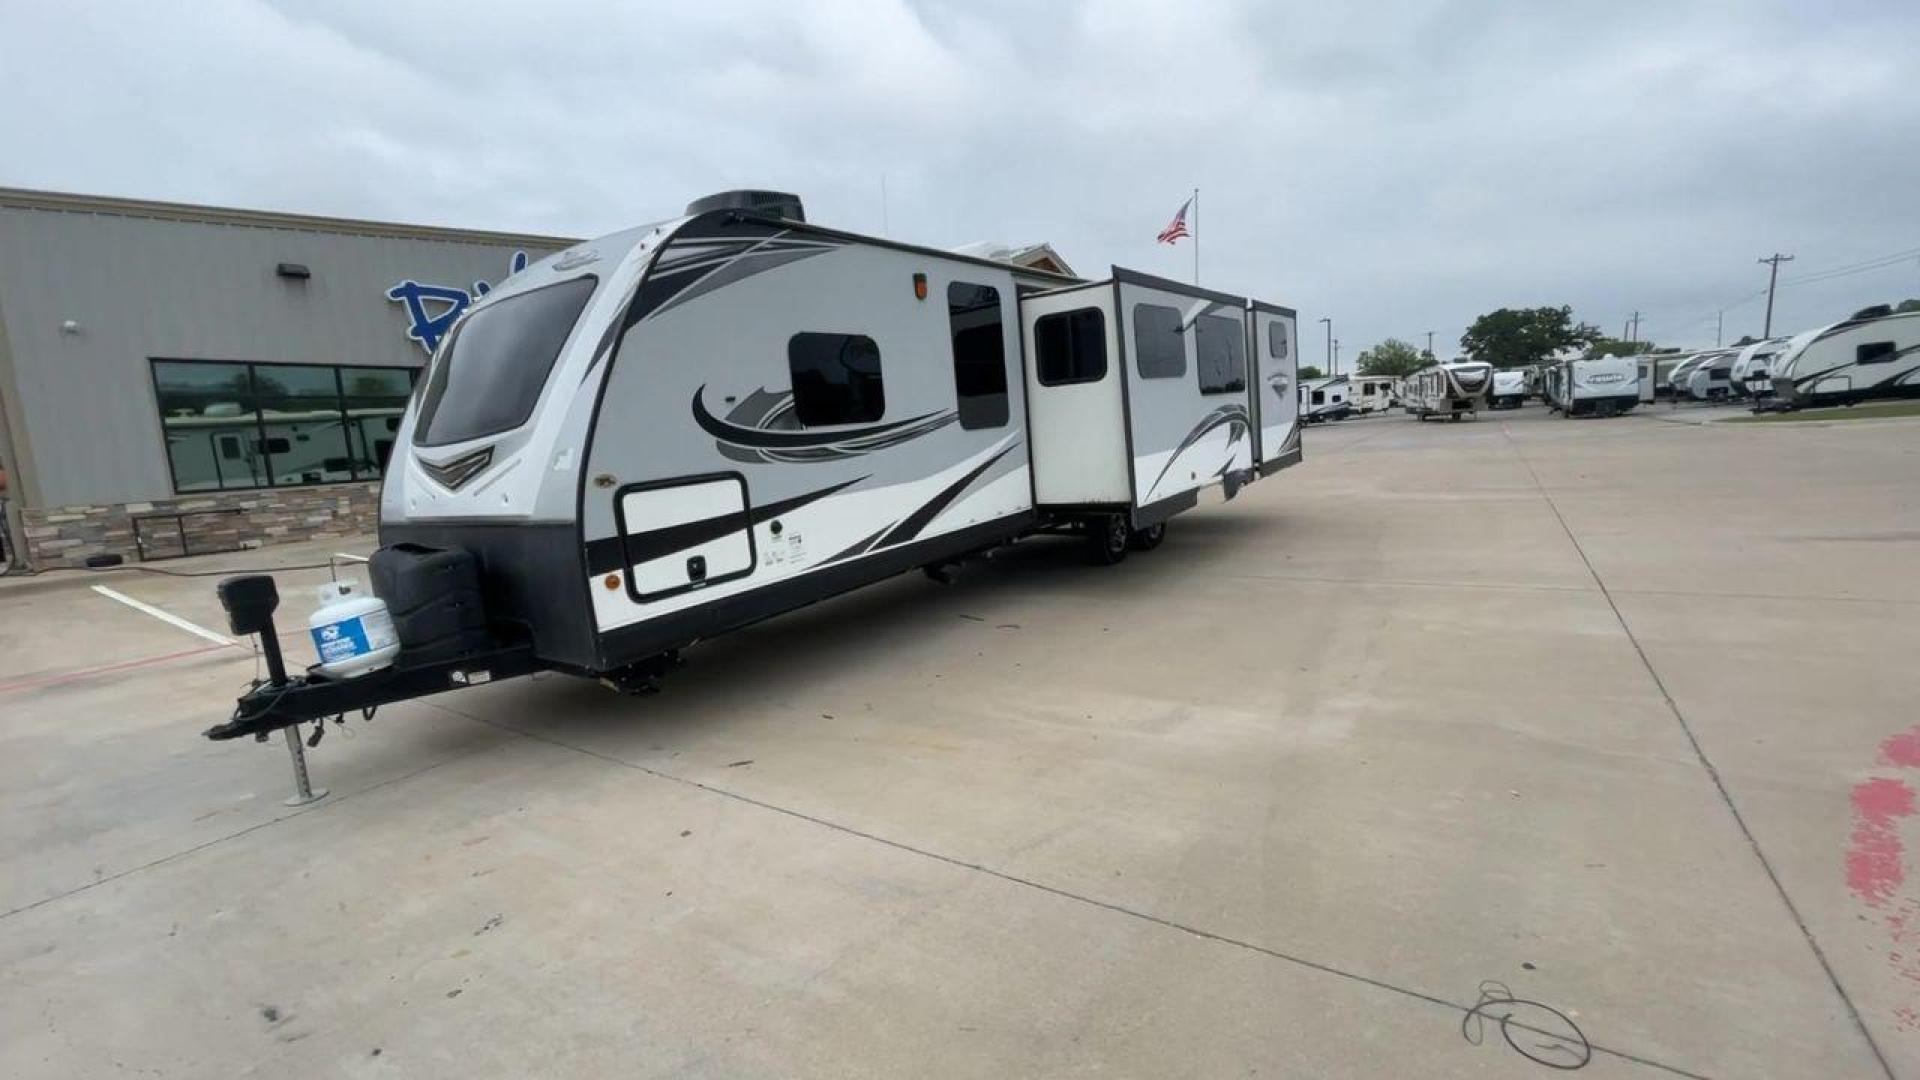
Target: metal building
179, 377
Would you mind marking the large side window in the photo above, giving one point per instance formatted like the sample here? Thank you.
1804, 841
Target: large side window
836, 379
979, 355
1222, 355
237, 425
1875, 352
1071, 347
1160, 351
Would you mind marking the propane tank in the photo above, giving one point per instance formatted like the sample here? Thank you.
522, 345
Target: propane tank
352, 633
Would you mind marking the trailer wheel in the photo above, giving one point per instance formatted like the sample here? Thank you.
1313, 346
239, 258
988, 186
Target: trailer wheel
1107, 539
1148, 538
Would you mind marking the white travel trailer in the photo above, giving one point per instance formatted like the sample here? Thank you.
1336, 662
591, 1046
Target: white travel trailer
1752, 369
1449, 389
1326, 399
1874, 354
1712, 378
1509, 388
1599, 386
674, 431
1373, 393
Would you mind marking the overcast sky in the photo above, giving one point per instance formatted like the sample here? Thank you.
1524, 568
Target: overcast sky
1399, 166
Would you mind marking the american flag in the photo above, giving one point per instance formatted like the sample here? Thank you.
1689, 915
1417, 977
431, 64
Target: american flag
1178, 228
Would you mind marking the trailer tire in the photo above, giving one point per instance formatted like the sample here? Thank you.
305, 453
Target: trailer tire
1107, 538
1148, 538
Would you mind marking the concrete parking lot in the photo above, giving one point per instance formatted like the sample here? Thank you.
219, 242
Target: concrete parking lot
1608, 717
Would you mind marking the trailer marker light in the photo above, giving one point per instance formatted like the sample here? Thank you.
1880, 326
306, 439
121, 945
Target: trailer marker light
611, 581
919, 286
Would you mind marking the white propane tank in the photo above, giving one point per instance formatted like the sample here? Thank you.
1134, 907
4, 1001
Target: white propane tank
352, 633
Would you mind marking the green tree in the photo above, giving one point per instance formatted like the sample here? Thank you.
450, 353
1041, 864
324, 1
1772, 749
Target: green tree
1907, 305
1607, 346
1516, 337
1308, 371
1391, 357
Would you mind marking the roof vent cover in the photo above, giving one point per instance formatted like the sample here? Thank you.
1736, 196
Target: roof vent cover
778, 204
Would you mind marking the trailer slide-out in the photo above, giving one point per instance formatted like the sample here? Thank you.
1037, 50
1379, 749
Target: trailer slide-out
678, 430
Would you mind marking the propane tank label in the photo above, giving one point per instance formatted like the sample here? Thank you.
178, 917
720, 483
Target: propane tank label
343, 640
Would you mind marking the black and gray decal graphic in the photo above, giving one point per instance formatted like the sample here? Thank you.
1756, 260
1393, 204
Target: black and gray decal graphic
616, 552
1232, 417
696, 263
1282, 384
913, 524
763, 428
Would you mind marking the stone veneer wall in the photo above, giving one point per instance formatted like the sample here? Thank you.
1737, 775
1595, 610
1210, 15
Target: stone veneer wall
66, 535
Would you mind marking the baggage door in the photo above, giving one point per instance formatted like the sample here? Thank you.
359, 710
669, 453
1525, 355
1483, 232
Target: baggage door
685, 533
1276, 402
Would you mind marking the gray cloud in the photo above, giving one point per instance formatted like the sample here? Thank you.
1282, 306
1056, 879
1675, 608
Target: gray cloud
1403, 167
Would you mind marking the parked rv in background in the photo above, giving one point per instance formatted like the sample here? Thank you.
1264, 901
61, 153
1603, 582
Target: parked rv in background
1452, 390
1601, 386
1373, 393
1712, 378
1326, 399
1874, 354
1509, 389
1752, 368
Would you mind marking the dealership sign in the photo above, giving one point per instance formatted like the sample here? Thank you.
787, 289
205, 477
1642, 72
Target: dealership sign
433, 309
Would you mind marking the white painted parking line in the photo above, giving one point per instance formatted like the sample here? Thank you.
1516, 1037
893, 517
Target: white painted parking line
164, 616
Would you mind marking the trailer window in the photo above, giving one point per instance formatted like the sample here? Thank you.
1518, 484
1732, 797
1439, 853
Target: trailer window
1875, 352
836, 379
979, 355
1070, 347
1222, 355
1159, 351
1277, 339
489, 377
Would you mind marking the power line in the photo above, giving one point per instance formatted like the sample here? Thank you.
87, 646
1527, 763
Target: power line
1882, 263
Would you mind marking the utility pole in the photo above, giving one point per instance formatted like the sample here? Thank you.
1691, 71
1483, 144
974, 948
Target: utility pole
1773, 278
1328, 319
1719, 326
1429, 343
1633, 334
1336, 357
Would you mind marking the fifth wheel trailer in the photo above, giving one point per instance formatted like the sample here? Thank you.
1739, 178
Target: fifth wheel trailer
674, 431
1448, 389
1874, 354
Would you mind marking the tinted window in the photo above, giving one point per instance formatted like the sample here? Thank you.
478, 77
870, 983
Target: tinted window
836, 379
1071, 347
1277, 339
488, 378
1875, 352
1222, 355
235, 425
979, 355
1319, 397
1160, 352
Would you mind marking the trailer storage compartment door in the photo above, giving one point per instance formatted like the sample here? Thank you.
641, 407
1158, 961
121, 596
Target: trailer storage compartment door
685, 533
1276, 402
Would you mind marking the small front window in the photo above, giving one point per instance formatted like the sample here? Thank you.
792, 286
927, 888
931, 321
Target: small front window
1277, 339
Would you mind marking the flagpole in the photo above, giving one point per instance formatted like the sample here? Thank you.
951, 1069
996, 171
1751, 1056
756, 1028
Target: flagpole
1196, 236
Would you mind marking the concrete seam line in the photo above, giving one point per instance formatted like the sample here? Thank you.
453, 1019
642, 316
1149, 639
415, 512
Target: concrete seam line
1078, 898
331, 800
1713, 773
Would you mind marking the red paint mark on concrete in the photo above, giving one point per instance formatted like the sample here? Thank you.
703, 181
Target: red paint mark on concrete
1902, 749
1874, 867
